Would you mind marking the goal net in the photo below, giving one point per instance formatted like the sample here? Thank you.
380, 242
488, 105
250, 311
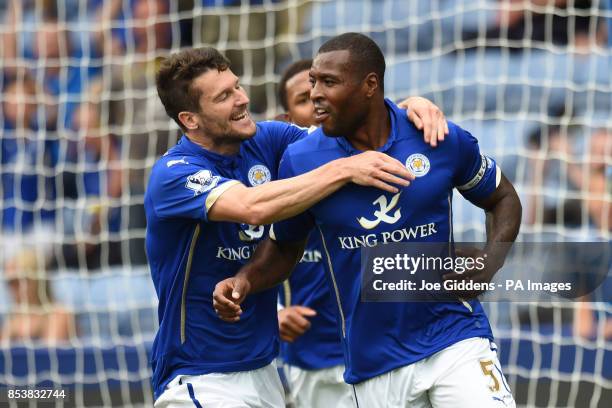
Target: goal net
82, 127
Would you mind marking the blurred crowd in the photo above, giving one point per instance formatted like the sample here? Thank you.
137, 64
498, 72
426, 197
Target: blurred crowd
82, 124
81, 127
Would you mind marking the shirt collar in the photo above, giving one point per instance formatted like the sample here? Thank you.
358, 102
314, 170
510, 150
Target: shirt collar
346, 145
223, 160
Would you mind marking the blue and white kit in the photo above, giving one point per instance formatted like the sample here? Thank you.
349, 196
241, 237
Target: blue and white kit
189, 255
381, 336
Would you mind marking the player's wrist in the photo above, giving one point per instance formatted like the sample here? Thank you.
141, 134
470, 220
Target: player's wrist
241, 280
495, 257
247, 286
339, 170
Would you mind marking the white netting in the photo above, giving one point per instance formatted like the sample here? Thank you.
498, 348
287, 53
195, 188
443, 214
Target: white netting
82, 126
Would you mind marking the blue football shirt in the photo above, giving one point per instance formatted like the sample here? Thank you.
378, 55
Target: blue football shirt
319, 347
188, 255
380, 336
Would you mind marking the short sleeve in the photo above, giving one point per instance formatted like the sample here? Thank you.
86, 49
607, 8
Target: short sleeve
296, 228
186, 191
279, 135
476, 176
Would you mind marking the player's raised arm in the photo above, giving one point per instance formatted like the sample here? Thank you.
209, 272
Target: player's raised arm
271, 264
282, 199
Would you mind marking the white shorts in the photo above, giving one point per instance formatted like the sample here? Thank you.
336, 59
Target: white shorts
464, 375
319, 388
259, 388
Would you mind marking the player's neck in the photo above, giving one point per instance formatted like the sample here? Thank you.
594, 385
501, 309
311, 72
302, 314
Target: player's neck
374, 132
224, 146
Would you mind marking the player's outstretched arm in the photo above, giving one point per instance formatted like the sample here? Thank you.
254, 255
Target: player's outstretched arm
427, 117
503, 210
271, 264
282, 199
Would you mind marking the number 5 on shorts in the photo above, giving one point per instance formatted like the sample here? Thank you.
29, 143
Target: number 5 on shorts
487, 369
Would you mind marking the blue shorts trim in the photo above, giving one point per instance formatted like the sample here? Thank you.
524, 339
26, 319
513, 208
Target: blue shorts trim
192, 396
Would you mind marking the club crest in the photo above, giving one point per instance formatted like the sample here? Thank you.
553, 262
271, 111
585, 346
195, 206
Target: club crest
418, 164
259, 174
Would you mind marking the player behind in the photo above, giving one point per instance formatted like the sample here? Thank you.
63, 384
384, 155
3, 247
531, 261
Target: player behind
419, 354
203, 222
311, 347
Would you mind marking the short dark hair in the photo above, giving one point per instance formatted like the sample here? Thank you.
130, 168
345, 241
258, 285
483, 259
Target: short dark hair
176, 74
290, 72
365, 53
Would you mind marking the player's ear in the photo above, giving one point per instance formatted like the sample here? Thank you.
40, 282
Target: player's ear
189, 120
371, 83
